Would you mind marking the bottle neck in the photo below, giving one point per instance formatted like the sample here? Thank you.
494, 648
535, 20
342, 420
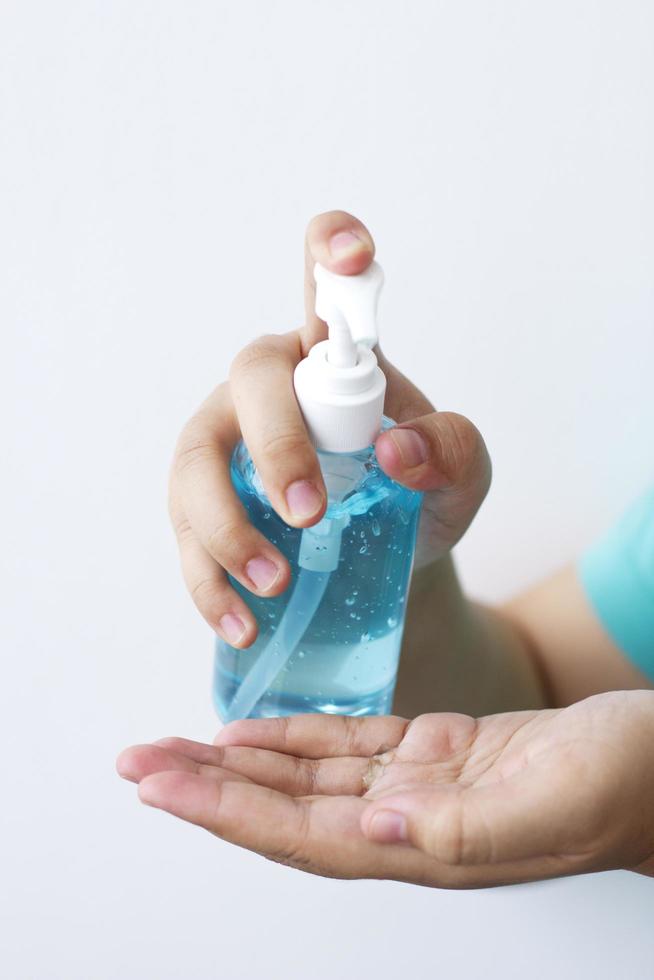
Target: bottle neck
342, 406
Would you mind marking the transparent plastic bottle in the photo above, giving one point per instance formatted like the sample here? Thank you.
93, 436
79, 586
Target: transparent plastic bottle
331, 642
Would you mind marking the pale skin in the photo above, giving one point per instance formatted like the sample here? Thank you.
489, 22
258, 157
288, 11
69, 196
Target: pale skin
547, 769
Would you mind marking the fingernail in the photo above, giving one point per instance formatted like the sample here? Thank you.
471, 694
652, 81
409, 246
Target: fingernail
262, 572
388, 827
346, 243
410, 445
232, 626
303, 499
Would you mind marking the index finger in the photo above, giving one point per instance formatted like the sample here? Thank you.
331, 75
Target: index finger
341, 243
261, 380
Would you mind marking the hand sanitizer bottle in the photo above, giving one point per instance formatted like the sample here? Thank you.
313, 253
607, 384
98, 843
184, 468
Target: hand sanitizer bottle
331, 642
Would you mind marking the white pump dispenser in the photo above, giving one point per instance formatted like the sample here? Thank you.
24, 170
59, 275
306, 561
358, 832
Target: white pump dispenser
339, 386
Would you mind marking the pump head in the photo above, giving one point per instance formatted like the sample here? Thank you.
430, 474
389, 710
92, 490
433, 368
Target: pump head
339, 386
348, 305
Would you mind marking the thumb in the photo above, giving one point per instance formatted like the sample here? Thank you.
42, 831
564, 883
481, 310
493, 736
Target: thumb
445, 453
522, 817
439, 451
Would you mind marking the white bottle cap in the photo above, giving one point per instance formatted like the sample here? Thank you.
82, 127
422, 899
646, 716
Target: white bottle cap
339, 386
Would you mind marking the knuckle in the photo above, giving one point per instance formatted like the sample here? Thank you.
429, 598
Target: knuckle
224, 536
182, 527
283, 443
460, 447
214, 823
307, 773
459, 835
445, 838
293, 852
198, 439
203, 592
219, 758
257, 354
285, 722
195, 446
351, 733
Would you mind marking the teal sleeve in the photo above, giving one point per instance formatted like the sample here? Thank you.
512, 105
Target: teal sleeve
617, 573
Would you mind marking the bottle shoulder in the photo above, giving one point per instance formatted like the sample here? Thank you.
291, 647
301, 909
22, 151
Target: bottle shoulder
354, 481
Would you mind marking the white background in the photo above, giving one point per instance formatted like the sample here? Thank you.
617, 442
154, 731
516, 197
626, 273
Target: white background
158, 164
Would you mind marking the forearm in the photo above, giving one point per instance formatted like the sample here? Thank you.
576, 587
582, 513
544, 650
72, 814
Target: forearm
573, 651
544, 648
458, 655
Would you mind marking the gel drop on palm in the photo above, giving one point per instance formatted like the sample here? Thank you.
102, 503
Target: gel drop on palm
331, 642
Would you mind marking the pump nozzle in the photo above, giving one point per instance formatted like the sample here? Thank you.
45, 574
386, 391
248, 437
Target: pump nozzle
348, 304
339, 386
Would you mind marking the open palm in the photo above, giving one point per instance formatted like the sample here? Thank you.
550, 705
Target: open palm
509, 797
